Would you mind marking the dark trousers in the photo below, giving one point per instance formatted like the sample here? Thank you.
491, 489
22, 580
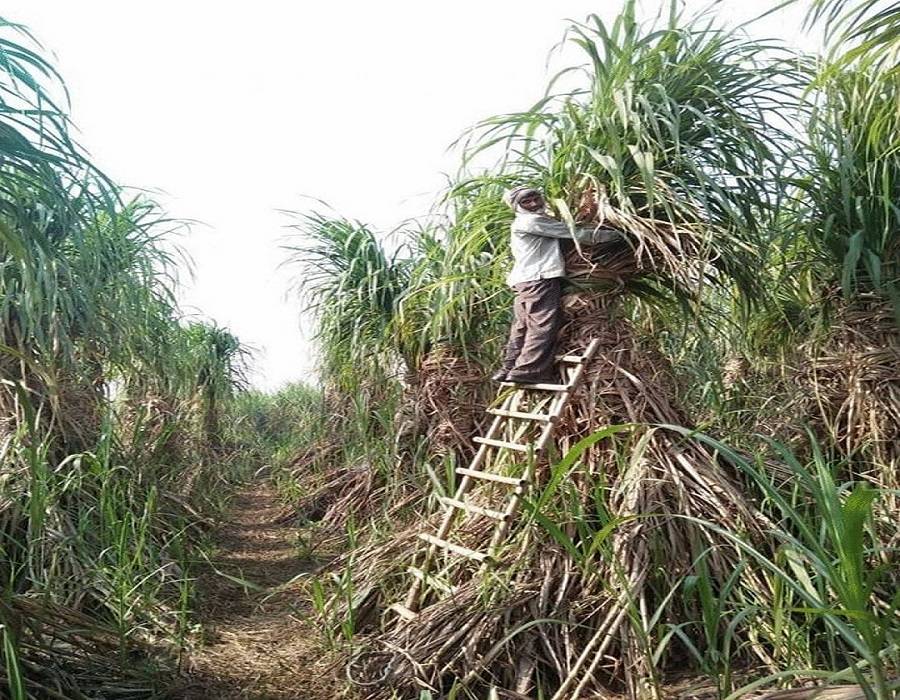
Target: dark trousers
536, 320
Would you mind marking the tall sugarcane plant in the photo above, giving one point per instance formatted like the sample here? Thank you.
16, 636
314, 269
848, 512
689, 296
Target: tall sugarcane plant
859, 28
37, 149
668, 133
457, 279
661, 135
52, 201
99, 381
852, 189
352, 283
841, 249
739, 177
220, 362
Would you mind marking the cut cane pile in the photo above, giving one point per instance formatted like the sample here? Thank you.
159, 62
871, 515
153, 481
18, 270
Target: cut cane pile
593, 560
853, 382
546, 616
450, 395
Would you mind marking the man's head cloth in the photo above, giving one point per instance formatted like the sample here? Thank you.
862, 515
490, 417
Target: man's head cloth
517, 194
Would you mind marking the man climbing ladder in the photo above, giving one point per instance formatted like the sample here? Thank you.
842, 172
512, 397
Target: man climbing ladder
518, 435
536, 277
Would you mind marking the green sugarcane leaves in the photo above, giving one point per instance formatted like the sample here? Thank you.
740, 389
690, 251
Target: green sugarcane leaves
670, 122
101, 387
855, 513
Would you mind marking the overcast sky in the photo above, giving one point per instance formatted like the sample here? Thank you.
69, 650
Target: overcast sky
234, 111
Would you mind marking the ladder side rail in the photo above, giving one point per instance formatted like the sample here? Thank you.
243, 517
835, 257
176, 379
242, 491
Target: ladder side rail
512, 506
563, 398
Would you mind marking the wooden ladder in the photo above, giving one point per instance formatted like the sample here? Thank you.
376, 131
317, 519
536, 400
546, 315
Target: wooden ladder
507, 419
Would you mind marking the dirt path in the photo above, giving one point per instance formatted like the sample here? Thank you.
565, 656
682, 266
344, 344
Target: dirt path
259, 641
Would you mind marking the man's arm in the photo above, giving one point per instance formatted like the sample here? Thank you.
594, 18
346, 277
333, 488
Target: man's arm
540, 225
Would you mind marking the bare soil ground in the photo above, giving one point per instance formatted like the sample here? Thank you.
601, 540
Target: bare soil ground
259, 641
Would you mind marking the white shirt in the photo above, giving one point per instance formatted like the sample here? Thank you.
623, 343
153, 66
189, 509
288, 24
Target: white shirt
535, 245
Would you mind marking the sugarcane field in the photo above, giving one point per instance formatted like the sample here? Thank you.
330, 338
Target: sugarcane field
497, 351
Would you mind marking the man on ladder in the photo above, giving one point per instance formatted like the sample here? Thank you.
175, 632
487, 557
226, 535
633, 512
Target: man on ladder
536, 277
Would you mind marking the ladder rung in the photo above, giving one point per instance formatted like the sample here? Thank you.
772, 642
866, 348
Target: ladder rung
571, 359
542, 417
502, 443
430, 580
403, 612
455, 548
539, 387
488, 476
470, 508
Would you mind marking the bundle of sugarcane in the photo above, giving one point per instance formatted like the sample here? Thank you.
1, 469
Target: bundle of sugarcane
450, 392
650, 495
64, 653
853, 381
671, 254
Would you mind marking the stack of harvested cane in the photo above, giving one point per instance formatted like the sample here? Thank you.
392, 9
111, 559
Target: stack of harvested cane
450, 391
853, 387
545, 617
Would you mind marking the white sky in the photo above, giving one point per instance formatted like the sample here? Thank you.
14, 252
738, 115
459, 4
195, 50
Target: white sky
234, 110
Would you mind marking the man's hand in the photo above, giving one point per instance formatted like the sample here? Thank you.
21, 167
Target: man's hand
587, 207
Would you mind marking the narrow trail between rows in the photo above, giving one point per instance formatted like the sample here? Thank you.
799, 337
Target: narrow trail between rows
258, 639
